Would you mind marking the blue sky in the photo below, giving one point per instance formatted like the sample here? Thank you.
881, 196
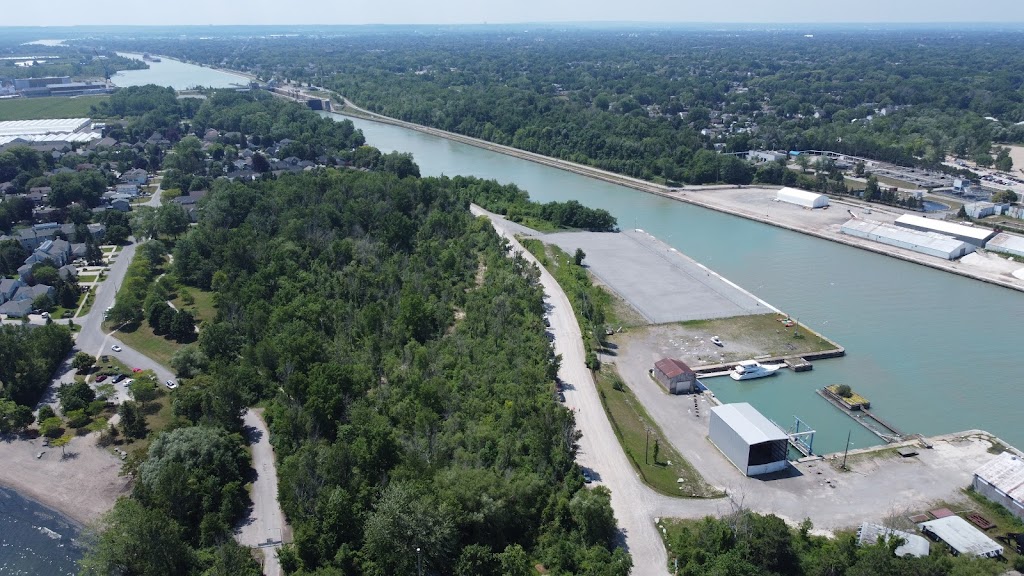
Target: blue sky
203, 12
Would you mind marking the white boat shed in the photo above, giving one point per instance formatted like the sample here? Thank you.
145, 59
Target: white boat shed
802, 198
1001, 480
930, 243
753, 443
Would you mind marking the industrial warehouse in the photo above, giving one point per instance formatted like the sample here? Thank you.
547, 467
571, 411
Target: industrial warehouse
753, 443
802, 198
930, 243
969, 234
1002, 481
48, 133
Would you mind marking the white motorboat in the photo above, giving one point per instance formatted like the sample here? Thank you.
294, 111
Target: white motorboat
750, 369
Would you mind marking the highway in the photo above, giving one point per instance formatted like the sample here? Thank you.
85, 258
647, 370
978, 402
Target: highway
635, 505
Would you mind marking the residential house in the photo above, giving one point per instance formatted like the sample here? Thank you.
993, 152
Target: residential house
30, 293
190, 203
121, 205
8, 286
136, 176
25, 272
78, 251
127, 189
68, 272
38, 195
16, 309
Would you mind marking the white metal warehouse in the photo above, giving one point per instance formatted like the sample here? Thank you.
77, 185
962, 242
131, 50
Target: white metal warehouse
753, 443
969, 234
1001, 480
963, 538
1007, 244
930, 243
802, 198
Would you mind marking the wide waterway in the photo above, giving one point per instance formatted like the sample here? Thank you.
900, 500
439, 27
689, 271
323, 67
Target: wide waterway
935, 352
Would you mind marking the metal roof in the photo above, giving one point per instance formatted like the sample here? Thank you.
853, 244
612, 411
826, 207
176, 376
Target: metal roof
933, 240
796, 193
962, 537
944, 227
1004, 242
913, 545
46, 126
670, 367
750, 424
1006, 473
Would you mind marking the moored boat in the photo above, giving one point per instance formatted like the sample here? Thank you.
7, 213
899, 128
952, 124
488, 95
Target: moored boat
750, 369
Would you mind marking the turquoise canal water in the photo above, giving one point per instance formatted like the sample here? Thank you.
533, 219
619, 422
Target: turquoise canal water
934, 352
35, 540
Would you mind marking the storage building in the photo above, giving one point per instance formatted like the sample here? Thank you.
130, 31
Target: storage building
1007, 244
1001, 480
913, 545
802, 198
753, 443
961, 537
675, 376
969, 234
930, 243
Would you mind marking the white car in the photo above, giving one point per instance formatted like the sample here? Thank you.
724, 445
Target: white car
171, 384
116, 348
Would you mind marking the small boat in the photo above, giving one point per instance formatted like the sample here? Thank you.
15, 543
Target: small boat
717, 341
750, 369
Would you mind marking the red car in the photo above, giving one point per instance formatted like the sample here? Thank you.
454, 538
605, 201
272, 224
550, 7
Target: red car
101, 377
136, 370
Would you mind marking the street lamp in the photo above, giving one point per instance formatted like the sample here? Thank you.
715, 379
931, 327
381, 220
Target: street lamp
419, 562
848, 433
647, 443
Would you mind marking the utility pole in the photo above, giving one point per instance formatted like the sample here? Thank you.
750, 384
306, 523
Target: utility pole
848, 432
647, 443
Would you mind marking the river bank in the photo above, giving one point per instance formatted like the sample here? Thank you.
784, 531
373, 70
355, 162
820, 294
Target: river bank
699, 196
82, 485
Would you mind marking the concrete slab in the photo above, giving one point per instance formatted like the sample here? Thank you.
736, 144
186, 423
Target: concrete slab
660, 282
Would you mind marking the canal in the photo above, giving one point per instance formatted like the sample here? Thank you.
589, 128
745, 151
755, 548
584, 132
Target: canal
934, 352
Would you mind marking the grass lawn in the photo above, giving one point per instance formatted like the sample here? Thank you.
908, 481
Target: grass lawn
765, 331
630, 421
87, 277
89, 299
158, 417
55, 107
202, 306
141, 338
1001, 517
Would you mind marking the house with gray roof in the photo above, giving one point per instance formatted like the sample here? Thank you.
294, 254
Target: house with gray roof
16, 309
30, 293
8, 286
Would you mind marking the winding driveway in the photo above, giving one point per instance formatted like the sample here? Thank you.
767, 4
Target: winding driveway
636, 506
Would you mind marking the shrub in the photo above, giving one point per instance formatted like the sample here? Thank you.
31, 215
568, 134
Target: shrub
844, 391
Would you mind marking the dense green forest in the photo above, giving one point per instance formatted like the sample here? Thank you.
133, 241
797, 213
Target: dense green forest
29, 355
399, 353
78, 62
643, 102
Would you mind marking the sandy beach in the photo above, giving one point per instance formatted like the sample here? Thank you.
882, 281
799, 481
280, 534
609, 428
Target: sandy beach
82, 486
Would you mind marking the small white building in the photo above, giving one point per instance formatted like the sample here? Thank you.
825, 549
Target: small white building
961, 537
802, 198
1007, 244
930, 243
913, 545
970, 234
1001, 480
753, 443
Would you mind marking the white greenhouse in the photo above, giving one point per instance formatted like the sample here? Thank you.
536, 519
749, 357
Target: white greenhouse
802, 198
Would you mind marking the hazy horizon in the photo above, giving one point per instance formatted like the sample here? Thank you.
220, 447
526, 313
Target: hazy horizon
59, 13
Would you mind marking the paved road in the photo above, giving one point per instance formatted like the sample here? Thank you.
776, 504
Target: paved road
635, 505
264, 529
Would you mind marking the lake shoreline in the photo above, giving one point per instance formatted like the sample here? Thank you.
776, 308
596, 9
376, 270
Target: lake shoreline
81, 487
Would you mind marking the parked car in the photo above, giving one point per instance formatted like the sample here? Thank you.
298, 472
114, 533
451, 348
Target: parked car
561, 397
171, 384
118, 378
116, 348
104, 358
136, 370
101, 377
587, 478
